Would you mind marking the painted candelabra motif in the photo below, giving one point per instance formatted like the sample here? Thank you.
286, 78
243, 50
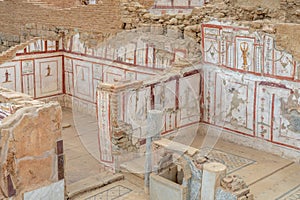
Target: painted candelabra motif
264, 112
244, 48
245, 53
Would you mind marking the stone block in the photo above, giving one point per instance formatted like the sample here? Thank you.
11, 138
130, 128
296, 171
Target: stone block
242, 192
35, 172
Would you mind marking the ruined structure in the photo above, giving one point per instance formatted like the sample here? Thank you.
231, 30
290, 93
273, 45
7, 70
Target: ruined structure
184, 173
32, 157
210, 66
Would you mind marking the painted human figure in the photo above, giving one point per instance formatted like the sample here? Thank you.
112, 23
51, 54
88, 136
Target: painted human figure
48, 71
6, 76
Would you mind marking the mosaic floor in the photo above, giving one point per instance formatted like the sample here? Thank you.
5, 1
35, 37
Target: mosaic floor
293, 194
233, 162
110, 194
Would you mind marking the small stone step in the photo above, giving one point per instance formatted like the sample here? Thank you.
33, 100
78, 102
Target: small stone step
135, 166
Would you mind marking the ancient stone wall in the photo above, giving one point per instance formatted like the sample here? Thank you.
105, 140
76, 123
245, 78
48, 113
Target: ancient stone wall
28, 20
31, 146
22, 20
282, 22
146, 3
8, 40
287, 37
274, 4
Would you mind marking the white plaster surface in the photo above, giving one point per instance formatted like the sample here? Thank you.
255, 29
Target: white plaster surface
162, 189
54, 191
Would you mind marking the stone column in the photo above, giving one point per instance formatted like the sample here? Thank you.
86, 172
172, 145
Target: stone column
154, 127
211, 179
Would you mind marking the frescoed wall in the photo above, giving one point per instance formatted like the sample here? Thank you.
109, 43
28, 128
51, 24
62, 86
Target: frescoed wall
250, 87
245, 85
37, 70
123, 110
178, 97
134, 52
236, 48
70, 72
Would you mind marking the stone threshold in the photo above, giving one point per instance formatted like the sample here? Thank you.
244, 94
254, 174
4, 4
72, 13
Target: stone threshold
91, 183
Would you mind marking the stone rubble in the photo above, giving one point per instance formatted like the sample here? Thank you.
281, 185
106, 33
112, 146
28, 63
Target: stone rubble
237, 186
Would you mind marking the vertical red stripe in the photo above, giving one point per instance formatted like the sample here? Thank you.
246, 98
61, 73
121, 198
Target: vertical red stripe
152, 96
146, 55
272, 117
63, 75
254, 110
